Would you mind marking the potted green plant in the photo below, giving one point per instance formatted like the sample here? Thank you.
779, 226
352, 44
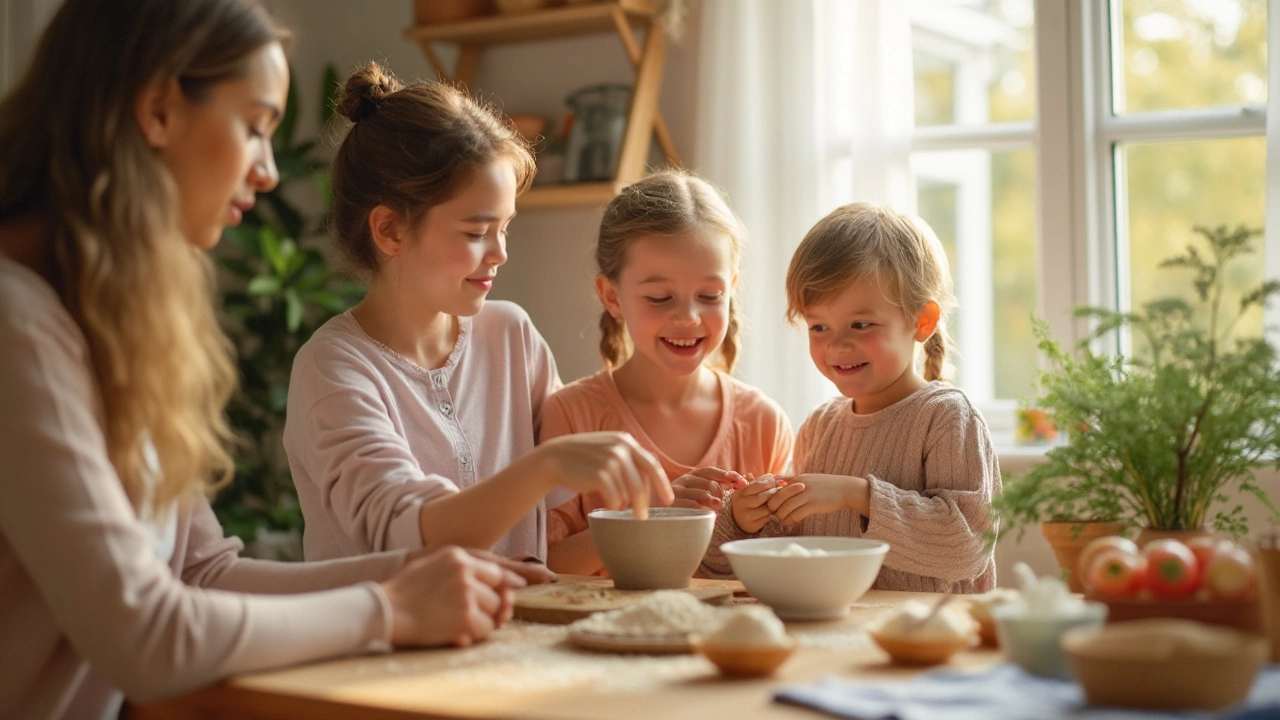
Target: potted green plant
277, 290
1156, 438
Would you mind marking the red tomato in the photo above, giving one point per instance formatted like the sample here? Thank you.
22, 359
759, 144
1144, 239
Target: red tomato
1204, 546
1117, 573
1096, 546
1230, 573
1172, 569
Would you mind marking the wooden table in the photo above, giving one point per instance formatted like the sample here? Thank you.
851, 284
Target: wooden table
528, 670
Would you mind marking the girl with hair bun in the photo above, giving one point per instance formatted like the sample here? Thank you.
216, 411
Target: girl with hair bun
412, 418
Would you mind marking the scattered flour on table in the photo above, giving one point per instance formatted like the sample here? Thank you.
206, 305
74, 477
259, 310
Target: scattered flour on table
531, 657
665, 612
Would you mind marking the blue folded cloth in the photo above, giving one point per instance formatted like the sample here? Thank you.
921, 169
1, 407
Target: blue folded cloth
1003, 692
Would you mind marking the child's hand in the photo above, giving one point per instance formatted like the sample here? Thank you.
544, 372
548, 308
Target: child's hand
704, 487
751, 503
818, 494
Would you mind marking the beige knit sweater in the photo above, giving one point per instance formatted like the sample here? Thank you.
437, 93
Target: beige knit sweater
933, 471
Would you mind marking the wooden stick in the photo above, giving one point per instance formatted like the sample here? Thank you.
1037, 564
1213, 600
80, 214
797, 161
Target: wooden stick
633, 53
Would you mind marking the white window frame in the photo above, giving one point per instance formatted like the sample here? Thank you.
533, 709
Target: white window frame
1081, 242
1081, 220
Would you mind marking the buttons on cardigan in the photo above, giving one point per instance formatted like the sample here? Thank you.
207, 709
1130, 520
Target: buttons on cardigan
437, 378
464, 460
446, 409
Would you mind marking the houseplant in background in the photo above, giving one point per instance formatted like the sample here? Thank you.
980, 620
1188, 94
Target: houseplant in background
1155, 439
278, 289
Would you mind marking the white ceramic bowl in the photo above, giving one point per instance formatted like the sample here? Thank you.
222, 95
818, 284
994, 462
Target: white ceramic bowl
660, 552
1032, 642
807, 588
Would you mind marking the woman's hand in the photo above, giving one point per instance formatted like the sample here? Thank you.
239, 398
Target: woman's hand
611, 464
455, 597
705, 487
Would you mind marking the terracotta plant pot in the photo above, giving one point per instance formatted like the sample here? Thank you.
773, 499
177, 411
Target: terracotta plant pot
1068, 538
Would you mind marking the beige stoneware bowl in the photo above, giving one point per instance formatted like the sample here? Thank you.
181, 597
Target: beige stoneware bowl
658, 553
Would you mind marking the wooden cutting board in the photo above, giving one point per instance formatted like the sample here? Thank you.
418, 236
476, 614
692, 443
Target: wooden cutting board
574, 597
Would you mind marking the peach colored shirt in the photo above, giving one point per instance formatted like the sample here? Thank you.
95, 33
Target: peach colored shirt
371, 435
754, 436
97, 602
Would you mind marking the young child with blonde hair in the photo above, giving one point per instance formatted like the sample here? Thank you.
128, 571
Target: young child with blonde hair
901, 456
668, 254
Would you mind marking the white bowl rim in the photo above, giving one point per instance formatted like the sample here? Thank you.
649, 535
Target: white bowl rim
628, 514
1093, 610
741, 547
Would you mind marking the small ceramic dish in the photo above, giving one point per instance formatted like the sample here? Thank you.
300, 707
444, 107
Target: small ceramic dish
744, 661
906, 650
980, 607
1032, 641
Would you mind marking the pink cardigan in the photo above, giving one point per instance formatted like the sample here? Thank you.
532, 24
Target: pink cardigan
371, 436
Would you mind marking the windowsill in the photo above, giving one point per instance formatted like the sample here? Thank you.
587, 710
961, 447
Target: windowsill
1014, 457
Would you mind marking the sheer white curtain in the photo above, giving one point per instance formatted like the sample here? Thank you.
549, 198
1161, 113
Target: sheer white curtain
804, 105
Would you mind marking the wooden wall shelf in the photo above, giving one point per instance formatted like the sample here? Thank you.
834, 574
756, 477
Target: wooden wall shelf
551, 23
623, 17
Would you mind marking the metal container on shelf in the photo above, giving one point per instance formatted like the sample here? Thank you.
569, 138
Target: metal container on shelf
600, 120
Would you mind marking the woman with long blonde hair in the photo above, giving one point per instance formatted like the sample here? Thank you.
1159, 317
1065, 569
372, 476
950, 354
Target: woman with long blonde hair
141, 129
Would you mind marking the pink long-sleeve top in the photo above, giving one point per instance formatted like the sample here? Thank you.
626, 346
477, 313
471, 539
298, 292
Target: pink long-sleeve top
371, 435
933, 472
753, 436
96, 602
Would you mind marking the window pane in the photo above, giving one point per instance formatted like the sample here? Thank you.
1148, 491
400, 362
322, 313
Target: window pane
1173, 187
1191, 54
982, 206
974, 61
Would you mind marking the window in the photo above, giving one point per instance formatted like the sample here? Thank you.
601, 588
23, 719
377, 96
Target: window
974, 162
1153, 120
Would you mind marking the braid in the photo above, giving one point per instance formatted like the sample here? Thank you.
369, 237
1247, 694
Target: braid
729, 348
935, 354
613, 341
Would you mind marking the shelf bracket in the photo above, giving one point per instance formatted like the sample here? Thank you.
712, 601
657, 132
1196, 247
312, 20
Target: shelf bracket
644, 107
633, 54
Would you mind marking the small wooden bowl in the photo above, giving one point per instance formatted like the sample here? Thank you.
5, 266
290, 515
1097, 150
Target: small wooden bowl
910, 651
740, 661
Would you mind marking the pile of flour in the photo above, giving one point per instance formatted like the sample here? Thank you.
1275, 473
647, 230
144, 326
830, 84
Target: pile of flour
665, 612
